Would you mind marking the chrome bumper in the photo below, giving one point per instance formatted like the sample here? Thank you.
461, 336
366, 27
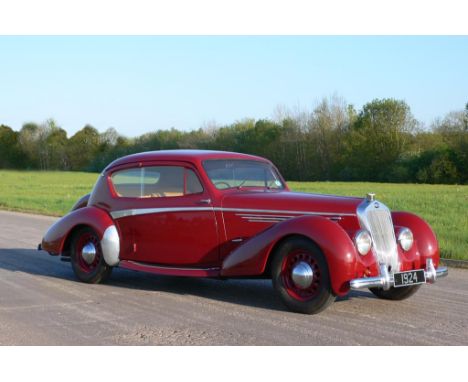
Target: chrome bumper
385, 280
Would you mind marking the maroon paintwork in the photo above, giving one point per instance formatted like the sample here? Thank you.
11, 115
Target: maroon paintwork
213, 234
57, 237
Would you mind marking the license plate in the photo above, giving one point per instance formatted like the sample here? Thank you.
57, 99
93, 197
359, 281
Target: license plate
402, 279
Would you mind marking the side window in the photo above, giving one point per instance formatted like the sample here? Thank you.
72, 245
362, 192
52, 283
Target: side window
193, 185
155, 181
170, 182
128, 183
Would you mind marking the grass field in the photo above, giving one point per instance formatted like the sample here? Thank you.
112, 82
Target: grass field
444, 207
49, 193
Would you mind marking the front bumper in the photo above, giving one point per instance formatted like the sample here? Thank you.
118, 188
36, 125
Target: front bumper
385, 280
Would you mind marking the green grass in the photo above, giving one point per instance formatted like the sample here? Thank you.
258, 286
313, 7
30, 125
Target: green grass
444, 207
49, 192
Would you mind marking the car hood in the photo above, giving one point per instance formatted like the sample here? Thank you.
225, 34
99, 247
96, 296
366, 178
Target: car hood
290, 202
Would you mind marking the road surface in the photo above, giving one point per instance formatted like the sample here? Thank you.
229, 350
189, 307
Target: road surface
41, 303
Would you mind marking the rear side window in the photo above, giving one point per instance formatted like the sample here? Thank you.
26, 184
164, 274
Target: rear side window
155, 182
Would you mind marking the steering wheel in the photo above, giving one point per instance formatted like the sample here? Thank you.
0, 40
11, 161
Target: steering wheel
241, 183
271, 183
221, 182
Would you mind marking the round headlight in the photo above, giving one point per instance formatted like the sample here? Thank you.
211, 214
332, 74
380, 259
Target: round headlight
405, 238
363, 242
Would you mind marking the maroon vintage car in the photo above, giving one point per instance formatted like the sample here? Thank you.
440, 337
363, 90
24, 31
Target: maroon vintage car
220, 214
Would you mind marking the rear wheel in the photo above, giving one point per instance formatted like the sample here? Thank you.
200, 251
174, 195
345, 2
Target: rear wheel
86, 257
300, 276
395, 293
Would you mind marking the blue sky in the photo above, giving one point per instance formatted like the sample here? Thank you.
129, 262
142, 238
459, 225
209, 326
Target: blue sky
140, 84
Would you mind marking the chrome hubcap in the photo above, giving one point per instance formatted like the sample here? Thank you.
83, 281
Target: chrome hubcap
302, 275
88, 253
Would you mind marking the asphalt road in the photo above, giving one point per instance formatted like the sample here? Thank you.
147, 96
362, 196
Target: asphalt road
41, 303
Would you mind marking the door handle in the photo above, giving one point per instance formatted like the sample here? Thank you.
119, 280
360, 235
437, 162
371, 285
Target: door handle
204, 201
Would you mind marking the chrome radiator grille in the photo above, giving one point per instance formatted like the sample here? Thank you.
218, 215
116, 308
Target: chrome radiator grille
376, 218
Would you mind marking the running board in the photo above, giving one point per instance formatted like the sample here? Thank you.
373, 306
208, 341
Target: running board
172, 271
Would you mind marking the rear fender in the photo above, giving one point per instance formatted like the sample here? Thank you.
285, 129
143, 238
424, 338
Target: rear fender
99, 220
251, 258
81, 203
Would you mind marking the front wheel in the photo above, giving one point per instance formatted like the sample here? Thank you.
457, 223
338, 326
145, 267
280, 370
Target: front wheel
86, 257
395, 293
300, 276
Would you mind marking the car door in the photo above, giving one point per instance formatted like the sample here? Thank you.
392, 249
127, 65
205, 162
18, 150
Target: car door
171, 220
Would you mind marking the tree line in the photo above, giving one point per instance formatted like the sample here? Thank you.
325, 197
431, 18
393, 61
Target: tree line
381, 142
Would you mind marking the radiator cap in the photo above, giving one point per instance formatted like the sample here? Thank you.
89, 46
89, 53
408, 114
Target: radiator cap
370, 197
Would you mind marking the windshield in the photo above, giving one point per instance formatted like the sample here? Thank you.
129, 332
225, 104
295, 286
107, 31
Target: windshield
239, 173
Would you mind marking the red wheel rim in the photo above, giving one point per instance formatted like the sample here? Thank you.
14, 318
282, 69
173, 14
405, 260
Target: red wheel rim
289, 262
84, 239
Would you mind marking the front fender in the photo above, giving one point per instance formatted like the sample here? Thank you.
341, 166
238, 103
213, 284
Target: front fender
425, 241
99, 220
251, 258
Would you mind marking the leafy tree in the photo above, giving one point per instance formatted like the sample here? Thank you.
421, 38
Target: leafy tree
381, 142
51, 141
56, 143
465, 118
292, 156
108, 152
28, 140
435, 166
109, 137
453, 131
10, 153
328, 126
378, 138
82, 148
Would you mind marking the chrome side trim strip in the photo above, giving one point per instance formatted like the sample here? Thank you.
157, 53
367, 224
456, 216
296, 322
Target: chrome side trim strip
144, 211
283, 212
276, 219
256, 218
271, 216
264, 219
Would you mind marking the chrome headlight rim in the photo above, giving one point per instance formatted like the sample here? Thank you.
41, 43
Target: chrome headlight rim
405, 239
363, 242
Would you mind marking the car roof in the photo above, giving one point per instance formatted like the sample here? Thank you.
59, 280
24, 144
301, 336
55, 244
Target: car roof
182, 155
